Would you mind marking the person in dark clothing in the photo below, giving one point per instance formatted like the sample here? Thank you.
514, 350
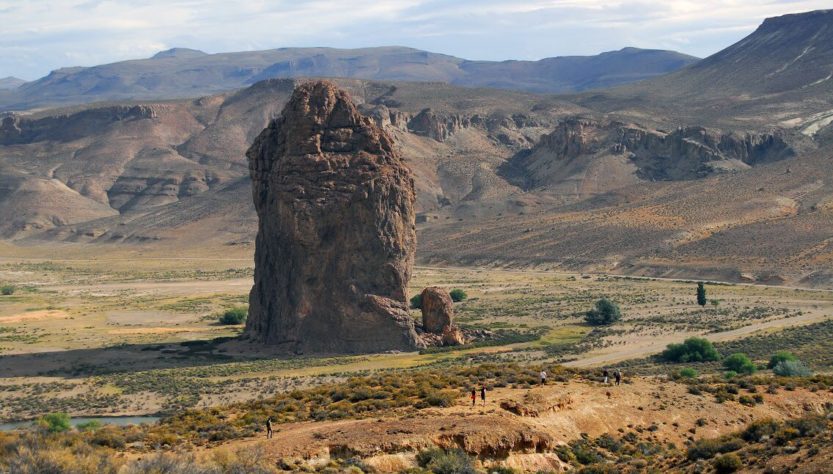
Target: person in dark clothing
483, 394
618, 376
606, 375
269, 427
473, 396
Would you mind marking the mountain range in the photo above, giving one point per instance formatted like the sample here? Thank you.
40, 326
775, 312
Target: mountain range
186, 73
664, 177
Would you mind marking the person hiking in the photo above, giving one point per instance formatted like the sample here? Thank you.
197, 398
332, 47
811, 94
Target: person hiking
617, 376
473, 396
269, 427
483, 394
606, 375
543, 377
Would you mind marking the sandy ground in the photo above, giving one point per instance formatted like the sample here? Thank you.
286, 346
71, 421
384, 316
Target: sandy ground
557, 414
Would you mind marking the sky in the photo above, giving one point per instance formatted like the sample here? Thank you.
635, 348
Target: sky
37, 36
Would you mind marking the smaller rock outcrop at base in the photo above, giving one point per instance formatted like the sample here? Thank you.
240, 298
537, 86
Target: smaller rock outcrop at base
438, 316
453, 336
437, 310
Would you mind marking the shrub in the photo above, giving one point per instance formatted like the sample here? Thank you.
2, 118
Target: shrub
694, 349
606, 312
757, 430
416, 302
740, 363
688, 373
454, 461
708, 448
55, 422
808, 426
792, 368
7, 290
727, 463
457, 295
234, 316
780, 356
730, 374
91, 425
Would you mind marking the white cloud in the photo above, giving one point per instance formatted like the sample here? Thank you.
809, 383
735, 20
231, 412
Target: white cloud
40, 35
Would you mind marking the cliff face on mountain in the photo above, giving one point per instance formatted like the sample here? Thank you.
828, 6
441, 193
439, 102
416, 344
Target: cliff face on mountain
577, 144
336, 238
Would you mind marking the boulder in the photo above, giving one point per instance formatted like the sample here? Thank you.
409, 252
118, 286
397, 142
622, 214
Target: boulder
453, 336
336, 230
437, 310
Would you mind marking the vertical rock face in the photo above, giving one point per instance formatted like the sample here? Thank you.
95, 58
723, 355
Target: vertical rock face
336, 238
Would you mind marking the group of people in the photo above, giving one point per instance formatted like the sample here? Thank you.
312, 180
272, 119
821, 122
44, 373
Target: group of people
617, 377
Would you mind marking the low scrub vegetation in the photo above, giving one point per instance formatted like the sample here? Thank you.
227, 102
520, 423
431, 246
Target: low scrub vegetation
739, 363
234, 316
457, 295
694, 349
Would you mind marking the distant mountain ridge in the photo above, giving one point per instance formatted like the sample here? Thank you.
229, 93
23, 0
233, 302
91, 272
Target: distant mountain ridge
787, 63
11, 82
186, 73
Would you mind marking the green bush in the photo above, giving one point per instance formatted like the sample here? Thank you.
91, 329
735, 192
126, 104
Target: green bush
55, 422
727, 463
91, 425
708, 448
606, 312
758, 429
457, 295
740, 363
416, 302
780, 356
7, 290
730, 374
694, 349
438, 461
234, 316
688, 373
792, 368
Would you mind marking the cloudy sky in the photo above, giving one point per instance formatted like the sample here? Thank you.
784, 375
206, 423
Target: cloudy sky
37, 36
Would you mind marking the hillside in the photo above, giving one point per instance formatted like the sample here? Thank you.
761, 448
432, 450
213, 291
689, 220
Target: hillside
184, 73
730, 189
10, 82
781, 74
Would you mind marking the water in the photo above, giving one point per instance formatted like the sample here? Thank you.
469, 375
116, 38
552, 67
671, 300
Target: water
104, 420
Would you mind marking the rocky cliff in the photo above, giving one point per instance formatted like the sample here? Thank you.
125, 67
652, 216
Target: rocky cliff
336, 237
656, 155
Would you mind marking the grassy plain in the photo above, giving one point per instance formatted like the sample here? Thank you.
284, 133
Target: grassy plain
134, 335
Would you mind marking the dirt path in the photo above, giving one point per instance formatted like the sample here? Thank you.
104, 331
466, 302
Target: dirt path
654, 345
177, 288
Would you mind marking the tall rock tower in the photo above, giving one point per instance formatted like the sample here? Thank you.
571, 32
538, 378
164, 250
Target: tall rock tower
336, 239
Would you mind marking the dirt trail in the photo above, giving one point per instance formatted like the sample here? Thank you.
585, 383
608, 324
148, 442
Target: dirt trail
645, 347
556, 414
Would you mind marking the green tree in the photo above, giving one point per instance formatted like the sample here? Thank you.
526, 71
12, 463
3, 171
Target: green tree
457, 295
778, 357
740, 363
701, 294
416, 302
606, 312
7, 290
694, 349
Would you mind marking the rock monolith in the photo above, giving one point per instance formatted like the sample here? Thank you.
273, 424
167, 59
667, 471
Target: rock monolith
336, 235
